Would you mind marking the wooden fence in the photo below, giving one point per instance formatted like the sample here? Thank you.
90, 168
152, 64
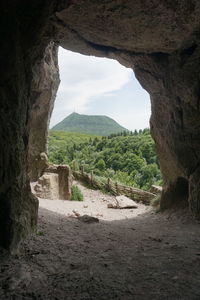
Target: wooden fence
113, 187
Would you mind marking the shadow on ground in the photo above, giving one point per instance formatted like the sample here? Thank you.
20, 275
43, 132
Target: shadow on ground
152, 256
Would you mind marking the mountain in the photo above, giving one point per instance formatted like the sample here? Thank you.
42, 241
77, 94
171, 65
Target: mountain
98, 125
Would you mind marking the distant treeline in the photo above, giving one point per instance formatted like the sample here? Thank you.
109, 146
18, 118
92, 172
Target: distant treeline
127, 157
128, 133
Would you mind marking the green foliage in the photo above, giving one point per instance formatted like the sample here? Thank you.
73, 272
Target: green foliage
98, 125
127, 157
155, 202
40, 233
148, 176
123, 177
100, 165
63, 146
76, 194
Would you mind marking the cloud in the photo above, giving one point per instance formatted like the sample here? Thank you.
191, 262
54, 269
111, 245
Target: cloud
83, 79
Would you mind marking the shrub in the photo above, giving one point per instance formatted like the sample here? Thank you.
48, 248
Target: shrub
76, 194
40, 233
101, 165
155, 202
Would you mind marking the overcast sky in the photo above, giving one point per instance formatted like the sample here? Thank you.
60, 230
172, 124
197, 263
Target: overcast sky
100, 86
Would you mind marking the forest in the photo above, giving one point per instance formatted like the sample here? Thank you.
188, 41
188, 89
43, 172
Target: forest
128, 157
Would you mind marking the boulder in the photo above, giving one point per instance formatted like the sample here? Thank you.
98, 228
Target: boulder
122, 202
54, 184
47, 186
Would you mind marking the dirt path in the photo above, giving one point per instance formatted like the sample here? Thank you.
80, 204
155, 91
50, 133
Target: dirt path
94, 204
150, 256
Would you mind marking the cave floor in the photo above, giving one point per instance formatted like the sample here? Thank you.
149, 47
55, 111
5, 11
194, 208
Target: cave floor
151, 256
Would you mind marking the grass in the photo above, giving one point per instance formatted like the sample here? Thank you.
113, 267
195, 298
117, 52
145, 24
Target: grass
76, 194
40, 233
155, 202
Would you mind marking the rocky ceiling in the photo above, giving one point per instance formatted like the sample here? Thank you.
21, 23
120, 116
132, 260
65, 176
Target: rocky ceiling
159, 39
131, 26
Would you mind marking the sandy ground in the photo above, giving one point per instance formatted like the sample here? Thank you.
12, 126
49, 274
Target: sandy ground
94, 204
146, 256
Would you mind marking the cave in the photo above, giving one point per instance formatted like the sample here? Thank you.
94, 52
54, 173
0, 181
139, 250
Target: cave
159, 40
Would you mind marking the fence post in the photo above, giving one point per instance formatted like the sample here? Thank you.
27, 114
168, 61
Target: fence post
74, 165
108, 184
82, 169
131, 193
92, 177
116, 185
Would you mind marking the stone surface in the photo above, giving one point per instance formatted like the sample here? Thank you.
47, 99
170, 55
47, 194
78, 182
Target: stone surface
88, 219
47, 186
156, 189
122, 202
55, 183
159, 39
65, 181
134, 26
43, 93
37, 164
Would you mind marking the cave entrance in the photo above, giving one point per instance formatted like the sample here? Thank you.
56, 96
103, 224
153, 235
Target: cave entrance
100, 87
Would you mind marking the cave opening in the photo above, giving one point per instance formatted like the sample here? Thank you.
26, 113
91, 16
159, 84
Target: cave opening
100, 87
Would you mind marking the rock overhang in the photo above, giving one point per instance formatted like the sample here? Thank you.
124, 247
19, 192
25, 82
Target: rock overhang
133, 26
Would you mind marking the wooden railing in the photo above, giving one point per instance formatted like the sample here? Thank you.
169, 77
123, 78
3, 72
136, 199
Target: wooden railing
113, 187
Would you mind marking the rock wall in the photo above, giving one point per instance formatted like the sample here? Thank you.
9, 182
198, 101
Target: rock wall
159, 39
43, 93
22, 26
47, 186
18, 207
54, 184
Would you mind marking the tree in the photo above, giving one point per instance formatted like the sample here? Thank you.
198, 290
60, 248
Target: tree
131, 159
101, 165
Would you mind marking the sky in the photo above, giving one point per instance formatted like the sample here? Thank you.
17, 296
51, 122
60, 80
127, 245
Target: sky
100, 86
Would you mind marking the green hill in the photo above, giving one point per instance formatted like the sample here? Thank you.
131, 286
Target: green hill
98, 125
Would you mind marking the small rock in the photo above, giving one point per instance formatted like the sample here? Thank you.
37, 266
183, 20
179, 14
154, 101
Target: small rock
99, 215
164, 273
155, 239
88, 219
76, 213
85, 206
